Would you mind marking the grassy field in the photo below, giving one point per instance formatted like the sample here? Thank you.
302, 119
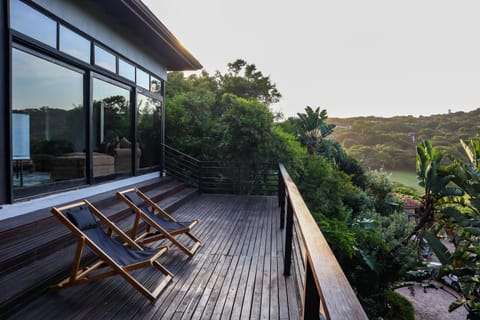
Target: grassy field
407, 178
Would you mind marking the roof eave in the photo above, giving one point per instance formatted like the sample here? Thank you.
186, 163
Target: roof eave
138, 16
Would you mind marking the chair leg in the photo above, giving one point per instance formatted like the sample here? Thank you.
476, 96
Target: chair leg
195, 239
76, 259
162, 269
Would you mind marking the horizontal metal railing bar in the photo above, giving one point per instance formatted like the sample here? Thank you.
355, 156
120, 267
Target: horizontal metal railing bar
192, 171
175, 173
168, 148
222, 176
182, 160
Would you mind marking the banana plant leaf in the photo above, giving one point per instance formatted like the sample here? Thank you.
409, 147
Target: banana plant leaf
472, 230
456, 215
438, 248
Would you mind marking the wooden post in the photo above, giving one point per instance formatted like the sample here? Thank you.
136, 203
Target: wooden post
311, 305
288, 240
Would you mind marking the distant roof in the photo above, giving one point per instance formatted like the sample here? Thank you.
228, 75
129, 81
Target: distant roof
135, 15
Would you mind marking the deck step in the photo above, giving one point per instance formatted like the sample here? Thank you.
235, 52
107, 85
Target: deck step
48, 235
38, 255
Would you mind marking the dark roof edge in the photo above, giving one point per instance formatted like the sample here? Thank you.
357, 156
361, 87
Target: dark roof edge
138, 8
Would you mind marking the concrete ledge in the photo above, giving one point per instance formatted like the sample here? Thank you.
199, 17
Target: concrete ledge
23, 207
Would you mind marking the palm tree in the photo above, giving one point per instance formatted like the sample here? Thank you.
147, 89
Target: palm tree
313, 128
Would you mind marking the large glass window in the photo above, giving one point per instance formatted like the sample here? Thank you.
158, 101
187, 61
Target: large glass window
48, 124
143, 79
111, 130
126, 70
34, 24
149, 122
155, 85
74, 44
105, 59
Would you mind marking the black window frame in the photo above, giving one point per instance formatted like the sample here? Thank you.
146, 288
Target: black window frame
42, 11
59, 43
133, 110
107, 50
19, 40
160, 96
32, 192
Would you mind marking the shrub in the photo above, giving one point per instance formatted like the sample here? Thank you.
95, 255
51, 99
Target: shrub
398, 307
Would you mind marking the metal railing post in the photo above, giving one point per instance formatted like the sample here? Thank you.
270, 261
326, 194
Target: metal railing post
199, 175
288, 240
311, 305
281, 199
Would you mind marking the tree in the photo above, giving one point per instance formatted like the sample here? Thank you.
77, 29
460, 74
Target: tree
465, 212
196, 106
436, 179
244, 129
245, 81
380, 188
190, 125
313, 128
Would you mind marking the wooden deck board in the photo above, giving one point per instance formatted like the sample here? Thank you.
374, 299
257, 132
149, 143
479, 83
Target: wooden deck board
236, 274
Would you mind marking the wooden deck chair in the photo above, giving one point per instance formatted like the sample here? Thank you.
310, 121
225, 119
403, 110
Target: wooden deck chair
117, 257
164, 225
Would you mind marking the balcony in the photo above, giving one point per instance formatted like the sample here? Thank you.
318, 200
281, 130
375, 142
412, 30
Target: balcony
262, 256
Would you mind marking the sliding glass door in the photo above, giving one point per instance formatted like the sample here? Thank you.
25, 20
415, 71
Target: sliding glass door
48, 124
112, 140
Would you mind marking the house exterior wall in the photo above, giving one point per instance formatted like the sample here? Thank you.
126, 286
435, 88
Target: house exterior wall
88, 19
103, 28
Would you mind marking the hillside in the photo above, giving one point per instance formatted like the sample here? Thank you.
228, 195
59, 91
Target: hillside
389, 143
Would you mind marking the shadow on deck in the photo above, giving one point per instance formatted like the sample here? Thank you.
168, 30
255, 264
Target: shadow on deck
236, 273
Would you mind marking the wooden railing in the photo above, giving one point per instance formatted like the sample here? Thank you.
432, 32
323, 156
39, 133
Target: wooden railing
327, 292
222, 176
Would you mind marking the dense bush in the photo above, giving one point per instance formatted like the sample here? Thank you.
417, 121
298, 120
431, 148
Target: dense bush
398, 307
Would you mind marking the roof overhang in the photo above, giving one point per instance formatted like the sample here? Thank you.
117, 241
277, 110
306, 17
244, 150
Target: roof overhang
135, 15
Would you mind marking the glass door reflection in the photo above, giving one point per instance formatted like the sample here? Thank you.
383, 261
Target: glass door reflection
112, 156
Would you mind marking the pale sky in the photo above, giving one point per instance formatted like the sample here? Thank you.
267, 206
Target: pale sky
351, 57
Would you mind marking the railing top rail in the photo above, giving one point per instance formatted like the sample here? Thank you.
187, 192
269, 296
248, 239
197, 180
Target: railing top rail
338, 298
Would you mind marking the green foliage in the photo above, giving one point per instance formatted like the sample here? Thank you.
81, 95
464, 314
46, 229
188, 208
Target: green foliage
190, 124
399, 308
438, 248
372, 269
288, 151
340, 237
380, 187
226, 117
312, 128
245, 81
329, 190
406, 191
390, 229
352, 167
401, 134
201, 111
244, 128
445, 180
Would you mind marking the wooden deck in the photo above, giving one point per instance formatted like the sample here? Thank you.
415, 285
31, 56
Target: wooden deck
236, 274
